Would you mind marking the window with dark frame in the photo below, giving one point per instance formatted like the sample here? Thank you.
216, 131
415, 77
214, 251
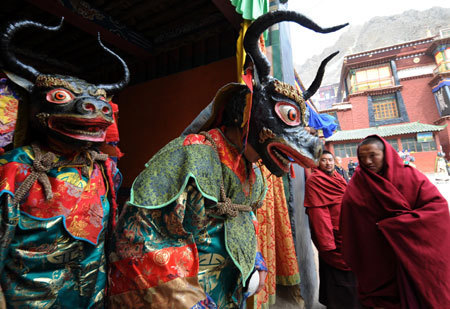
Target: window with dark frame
345, 150
385, 107
368, 78
411, 144
394, 143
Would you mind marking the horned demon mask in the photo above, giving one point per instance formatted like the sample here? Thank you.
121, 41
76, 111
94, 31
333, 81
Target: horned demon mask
276, 128
64, 107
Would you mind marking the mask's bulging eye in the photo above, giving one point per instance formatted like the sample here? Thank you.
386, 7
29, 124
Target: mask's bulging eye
59, 96
292, 114
288, 112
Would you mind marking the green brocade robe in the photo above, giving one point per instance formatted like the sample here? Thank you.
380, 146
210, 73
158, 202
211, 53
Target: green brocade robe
168, 252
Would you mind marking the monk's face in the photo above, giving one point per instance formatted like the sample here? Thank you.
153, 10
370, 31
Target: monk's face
326, 163
371, 156
338, 161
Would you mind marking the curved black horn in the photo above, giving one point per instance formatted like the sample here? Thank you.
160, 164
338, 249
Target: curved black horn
318, 79
10, 61
263, 22
126, 78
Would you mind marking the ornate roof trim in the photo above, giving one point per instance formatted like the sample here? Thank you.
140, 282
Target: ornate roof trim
390, 48
384, 131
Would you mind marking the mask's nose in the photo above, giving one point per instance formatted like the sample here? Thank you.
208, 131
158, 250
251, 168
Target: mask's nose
92, 107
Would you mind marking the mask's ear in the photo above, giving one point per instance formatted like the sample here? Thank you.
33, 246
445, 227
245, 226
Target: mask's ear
25, 84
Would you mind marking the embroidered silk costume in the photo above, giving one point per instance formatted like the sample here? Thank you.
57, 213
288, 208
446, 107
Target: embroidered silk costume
53, 251
170, 245
57, 191
275, 241
188, 236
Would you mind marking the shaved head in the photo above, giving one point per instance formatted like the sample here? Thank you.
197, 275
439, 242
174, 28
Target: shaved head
372, 140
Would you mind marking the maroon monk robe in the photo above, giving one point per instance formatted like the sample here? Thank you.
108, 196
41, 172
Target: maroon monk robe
323, 196
396, 236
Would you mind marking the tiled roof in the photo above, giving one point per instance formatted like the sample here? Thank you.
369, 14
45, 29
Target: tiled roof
405, 128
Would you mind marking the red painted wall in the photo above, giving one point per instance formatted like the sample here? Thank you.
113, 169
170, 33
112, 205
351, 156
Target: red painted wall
357, 117
425, 161
420, 106
408, 62
419, 100
417, 97
153, 113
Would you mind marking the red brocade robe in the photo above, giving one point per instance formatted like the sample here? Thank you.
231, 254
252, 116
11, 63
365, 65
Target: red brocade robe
396, 237
323, 196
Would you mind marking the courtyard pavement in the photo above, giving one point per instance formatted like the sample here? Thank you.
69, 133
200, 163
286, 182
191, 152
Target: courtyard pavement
442, 182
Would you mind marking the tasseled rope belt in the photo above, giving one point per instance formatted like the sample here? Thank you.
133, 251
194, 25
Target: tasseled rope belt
226, 206
43, 163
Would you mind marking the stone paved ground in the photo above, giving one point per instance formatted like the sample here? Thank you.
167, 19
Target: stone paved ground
442, 182
285, 297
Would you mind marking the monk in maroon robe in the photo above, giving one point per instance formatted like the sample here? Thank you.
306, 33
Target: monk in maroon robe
396, 232
323, 195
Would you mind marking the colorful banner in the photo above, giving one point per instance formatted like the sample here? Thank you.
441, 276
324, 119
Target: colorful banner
442, 83
425, 137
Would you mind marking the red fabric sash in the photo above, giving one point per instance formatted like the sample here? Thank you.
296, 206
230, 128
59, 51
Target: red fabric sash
324, 189
396, 236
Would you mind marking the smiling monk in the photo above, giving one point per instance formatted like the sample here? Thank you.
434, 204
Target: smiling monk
323, 195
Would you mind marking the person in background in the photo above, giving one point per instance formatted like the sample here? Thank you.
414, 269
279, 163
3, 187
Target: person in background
340, 169
351, 168
441, 164
395, 232
448, 168
323, 195
411, 161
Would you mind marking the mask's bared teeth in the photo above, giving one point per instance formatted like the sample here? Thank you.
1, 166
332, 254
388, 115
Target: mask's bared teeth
285, 161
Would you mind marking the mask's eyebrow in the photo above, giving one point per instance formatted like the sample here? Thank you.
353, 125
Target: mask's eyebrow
51, 81
97, 92
289, 91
